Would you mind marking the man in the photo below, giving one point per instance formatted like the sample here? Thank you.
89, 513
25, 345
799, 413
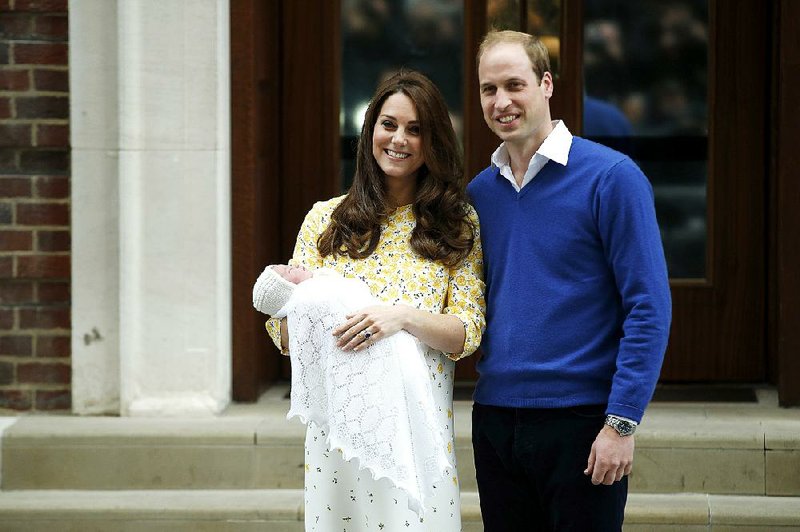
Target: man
578, 307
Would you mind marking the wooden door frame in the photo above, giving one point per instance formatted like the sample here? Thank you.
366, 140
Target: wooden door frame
309, 125
284, 154
255, 89
784, 285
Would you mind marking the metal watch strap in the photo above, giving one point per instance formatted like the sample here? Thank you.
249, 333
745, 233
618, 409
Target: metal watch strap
622, 426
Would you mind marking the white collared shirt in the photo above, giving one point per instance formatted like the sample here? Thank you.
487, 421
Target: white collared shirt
554, 148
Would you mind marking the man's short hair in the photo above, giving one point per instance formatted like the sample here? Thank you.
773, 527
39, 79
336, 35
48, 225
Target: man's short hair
537, 52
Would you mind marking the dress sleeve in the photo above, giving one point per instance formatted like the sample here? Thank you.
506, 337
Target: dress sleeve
465, 294
305, 254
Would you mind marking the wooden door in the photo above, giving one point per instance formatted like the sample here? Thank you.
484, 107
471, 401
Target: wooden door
719, 322
719, 316
286, 151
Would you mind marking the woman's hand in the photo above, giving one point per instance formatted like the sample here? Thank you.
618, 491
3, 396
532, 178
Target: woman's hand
363, 328
370, 324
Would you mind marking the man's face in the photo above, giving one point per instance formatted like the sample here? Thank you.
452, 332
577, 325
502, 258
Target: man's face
515, 105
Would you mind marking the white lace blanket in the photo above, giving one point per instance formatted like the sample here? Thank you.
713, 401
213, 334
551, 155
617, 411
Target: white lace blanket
376, 405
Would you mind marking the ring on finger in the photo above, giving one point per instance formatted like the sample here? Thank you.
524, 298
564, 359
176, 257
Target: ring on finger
366, 334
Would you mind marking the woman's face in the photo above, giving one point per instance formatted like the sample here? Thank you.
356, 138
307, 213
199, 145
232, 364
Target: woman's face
396, 140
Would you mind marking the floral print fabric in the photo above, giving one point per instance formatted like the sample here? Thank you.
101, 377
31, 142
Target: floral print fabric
337, 495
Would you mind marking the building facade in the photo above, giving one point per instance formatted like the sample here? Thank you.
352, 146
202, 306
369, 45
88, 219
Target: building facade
201, 131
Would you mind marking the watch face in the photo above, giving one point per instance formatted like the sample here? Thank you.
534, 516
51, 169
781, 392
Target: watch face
624, 428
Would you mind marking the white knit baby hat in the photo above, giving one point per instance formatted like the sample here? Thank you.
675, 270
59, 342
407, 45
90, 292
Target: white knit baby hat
271, 292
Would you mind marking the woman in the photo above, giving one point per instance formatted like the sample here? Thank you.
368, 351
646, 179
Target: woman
406, 230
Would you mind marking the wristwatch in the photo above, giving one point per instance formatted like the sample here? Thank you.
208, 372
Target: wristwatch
622, 426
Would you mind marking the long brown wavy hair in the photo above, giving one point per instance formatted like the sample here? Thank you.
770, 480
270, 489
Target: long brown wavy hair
443, 232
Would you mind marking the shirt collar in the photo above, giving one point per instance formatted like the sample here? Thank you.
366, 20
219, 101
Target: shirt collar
555, 147
557, 144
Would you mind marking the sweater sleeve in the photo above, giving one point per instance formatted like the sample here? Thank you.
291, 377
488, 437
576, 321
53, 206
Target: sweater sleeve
465, 294
626, 219
305, 254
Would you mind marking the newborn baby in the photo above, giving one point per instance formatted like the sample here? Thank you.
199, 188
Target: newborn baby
275, 286
376, 405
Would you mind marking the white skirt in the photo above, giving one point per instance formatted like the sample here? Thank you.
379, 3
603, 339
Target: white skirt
339, 497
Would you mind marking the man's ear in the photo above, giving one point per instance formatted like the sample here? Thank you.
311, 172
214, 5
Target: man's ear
547, 84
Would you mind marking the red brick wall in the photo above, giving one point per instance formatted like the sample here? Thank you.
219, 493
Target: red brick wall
35, 367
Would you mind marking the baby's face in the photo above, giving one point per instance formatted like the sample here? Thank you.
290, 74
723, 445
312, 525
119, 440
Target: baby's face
293, 274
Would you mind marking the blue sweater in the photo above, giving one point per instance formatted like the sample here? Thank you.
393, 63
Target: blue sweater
578, 299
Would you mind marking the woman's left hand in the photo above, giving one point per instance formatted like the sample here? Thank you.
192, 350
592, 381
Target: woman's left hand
368, 325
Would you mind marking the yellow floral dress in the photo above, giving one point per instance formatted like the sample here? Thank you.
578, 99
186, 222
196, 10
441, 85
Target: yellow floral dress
339, 497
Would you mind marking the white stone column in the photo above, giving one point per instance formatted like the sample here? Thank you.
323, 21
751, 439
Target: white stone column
166, 215
94, 133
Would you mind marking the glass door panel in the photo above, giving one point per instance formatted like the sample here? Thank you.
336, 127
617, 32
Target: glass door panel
541, 18
380, 37
645, 68
503, 14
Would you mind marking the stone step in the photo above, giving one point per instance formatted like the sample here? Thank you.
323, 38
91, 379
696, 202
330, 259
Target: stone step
229, 452
717, 449
282, 511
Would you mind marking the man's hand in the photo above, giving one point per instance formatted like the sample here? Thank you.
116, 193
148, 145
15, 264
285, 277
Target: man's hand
611, 457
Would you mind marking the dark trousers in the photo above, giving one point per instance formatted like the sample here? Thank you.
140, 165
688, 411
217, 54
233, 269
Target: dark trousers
530, 464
